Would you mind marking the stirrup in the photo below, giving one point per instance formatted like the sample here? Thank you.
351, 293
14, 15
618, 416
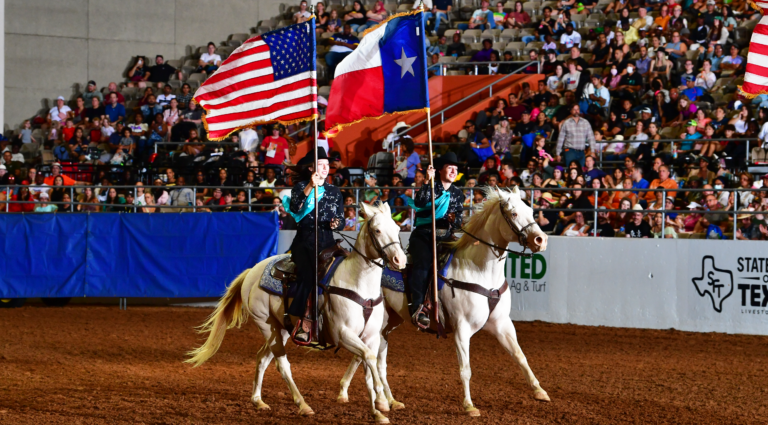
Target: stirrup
421, 323
305, 325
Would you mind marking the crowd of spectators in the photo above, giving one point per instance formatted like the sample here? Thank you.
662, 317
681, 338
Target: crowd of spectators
612, 87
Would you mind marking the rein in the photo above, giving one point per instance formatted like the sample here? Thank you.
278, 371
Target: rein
519, 233
376, 245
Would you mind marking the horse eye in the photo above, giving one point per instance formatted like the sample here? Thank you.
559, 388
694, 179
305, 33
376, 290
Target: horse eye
514, 215
378, 231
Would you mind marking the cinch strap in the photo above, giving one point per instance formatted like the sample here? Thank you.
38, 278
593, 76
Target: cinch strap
309, 204
441, 207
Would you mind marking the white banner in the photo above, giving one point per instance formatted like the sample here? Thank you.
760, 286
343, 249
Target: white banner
528, 283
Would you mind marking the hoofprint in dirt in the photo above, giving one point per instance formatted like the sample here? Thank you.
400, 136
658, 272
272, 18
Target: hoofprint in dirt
95, 365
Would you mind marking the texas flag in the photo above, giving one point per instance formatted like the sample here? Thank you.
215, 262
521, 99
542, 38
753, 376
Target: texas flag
386, 74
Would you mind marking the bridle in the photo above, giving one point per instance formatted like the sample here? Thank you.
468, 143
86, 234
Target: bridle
522, 235
376, 245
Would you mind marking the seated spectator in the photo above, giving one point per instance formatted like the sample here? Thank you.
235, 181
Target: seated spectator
59, 113
161, 72
603, 227
637, 227
44, 206
112, 201
334, 24
92, 91
150, 206
546, 219
734, 62
669, 231
186, 96
676, 48
518, 18
164, 100
484, 55
481, 18
23, 195
112, 88
115, 111
209, 61
171, 116
374, 17
748, 230
302, 15
664, 181
341, 46
712, 218
569, 39
138, 74
182, 196
578, 227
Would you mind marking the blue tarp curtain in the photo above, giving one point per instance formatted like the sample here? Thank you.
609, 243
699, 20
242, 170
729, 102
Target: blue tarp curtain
130, 255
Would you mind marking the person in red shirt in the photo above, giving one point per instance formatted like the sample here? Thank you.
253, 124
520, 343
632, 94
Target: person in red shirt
69, 129
275, 148
22, 195
68, 181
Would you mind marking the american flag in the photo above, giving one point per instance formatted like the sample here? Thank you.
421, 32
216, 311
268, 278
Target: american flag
270, 78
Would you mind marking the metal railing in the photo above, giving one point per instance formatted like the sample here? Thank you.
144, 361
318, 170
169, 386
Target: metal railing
217, 144
668, 141
469, 203
478, 65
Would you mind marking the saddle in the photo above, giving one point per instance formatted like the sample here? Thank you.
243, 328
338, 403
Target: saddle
285, 271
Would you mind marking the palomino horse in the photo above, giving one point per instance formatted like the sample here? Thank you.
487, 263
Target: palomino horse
357, 281
479, 259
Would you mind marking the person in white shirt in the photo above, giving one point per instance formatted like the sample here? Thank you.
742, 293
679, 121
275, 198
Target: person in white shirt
59, 113
164, 99
209, 61
598, 93
302, 15
645, 19
569, 39
570, 80
249, 140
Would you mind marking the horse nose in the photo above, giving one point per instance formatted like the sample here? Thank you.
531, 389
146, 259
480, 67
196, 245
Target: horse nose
538, 240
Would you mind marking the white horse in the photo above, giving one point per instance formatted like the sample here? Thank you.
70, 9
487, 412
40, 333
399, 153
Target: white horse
343, 317
480, 260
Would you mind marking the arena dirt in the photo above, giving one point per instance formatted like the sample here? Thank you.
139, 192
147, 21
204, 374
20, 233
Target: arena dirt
89, 364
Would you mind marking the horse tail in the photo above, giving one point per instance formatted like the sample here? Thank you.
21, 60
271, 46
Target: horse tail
228, 314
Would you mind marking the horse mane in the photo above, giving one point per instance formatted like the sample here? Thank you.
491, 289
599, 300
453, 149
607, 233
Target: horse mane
477, 221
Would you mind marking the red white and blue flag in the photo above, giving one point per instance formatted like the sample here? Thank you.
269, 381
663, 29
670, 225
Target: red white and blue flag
271, 77
386, 74
756, 77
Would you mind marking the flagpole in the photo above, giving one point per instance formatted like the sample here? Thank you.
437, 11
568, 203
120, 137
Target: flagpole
315, 326
436, 301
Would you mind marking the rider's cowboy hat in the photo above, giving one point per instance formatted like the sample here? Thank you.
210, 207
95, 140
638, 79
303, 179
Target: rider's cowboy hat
309, 158
447, 159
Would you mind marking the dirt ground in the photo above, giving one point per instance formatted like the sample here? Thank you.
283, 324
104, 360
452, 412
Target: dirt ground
96, 364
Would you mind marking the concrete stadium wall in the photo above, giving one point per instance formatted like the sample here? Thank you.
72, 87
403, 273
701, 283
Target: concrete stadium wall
54, 48
685, 284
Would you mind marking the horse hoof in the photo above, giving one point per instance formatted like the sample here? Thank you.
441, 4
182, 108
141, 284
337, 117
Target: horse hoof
382, 406
381, 419
541, 396
396, 405
306, 411
260, 405
472, 411
342, 399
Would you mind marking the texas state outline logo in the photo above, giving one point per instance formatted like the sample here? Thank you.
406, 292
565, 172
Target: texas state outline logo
717, 283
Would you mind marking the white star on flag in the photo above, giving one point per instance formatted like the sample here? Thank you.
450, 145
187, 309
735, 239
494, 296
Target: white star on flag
406, 63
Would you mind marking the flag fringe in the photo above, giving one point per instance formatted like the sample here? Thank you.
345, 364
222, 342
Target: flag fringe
750, 95
255, 124
396, 15
333, 132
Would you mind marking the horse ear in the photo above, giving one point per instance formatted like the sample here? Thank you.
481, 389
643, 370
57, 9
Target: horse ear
366, 210
515, 190
385, 208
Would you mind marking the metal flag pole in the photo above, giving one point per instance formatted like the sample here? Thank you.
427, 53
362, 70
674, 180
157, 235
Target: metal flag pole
435, 300
315, 326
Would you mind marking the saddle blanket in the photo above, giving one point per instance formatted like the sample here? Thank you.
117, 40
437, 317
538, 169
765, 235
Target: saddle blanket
275, 286
393, 280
